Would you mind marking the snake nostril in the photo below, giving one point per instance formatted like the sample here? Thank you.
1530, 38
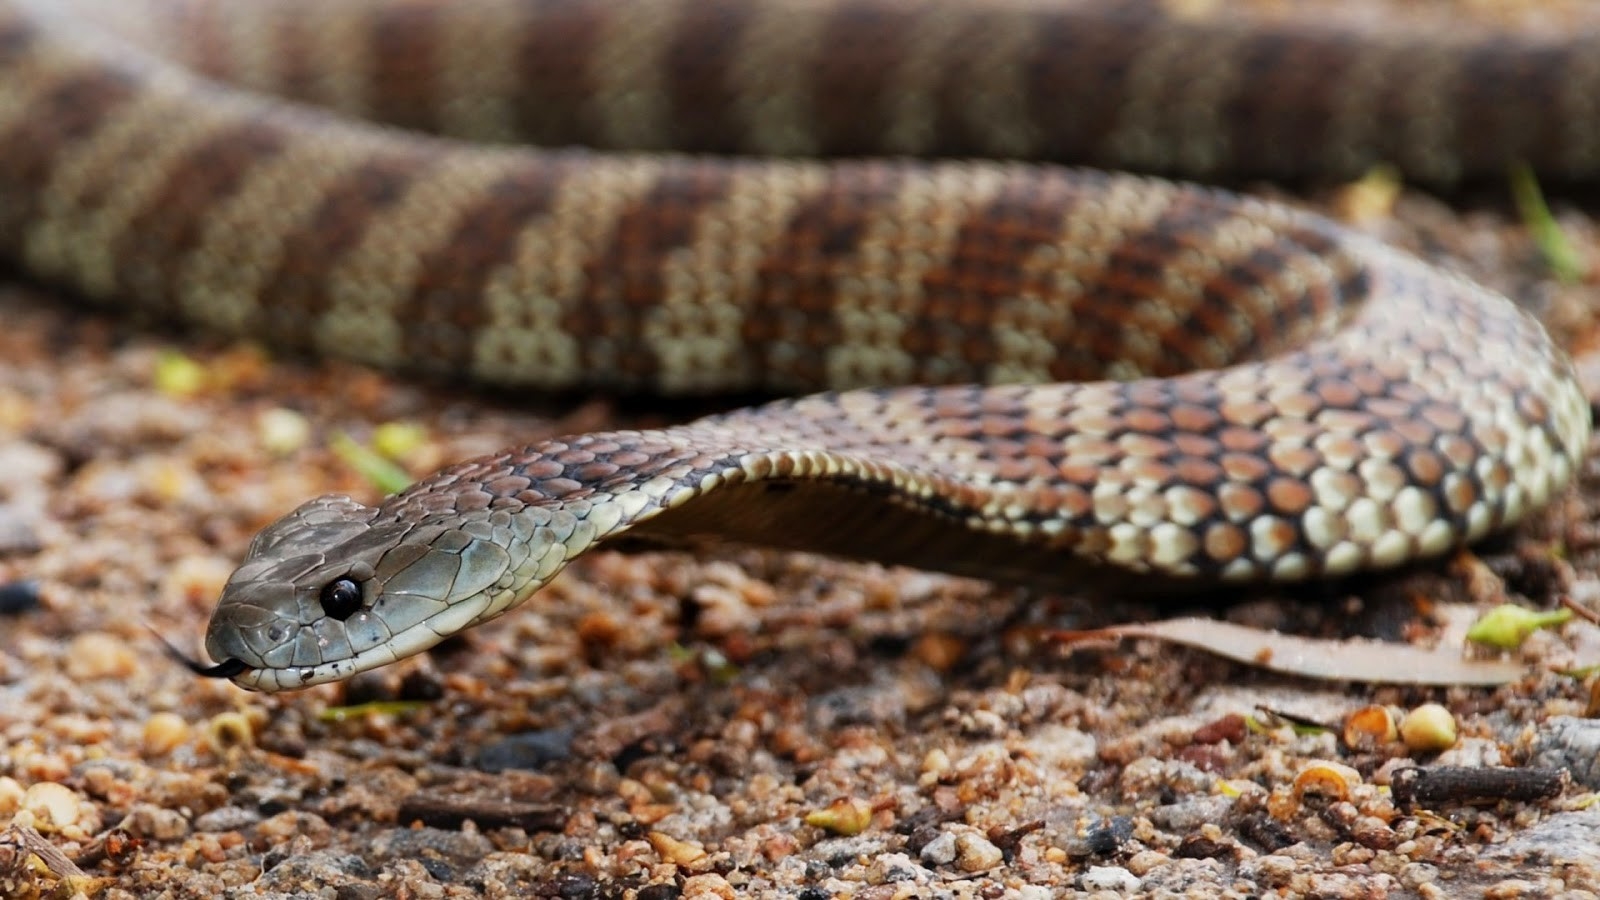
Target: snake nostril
341, 598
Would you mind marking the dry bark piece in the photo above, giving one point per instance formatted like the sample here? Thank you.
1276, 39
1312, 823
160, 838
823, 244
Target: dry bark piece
27, 841
1443, 785
1366, 661
449, 810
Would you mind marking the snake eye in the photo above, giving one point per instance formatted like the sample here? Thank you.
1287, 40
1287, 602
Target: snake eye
341, 598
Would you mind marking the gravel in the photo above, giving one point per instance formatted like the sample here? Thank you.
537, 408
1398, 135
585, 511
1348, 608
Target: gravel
606, 741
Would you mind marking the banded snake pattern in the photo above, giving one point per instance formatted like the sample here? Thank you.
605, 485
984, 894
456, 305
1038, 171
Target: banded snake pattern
1291, 400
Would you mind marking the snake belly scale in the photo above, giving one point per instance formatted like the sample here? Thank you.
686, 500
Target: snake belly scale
1183, 385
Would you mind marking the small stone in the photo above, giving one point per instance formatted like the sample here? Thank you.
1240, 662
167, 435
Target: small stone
1373, 832
457, 848
228, 731
157, 824
164, 732
705, 887
17, 534
974, 853
227, 818
847, 816
941, 851
282, 431
97, 655
938, 651
530, 750
53, 803
1109, 878
895, 868
1430, 728
983, 723
1105, 837
1571, 743
672, 850
195, 581
11, 794
19, 597
1144, 862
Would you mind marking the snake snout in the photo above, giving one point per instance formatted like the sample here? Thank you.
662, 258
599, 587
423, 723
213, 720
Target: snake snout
249, 623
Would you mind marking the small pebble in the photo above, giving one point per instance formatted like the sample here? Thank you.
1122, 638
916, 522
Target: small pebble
847, 816
227, 818
11, 794
1109, 878
157, 824
1107, 836
18, 597
17, 535
282, 431
530, 750
940, 652
672, 850
196, 580
229, 730
941, 851
707, 887
1571, 743
894, 868
974, 853
1430, 728
163, 733
53, 803
457, 848
97, 655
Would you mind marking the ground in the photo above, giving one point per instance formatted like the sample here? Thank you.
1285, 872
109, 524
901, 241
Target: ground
736, 723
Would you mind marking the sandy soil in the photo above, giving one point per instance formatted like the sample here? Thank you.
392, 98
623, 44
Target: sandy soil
737, 724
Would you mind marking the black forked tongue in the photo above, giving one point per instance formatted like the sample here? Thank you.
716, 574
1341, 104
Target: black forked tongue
228, 668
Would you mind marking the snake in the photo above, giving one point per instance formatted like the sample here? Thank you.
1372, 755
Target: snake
987, 362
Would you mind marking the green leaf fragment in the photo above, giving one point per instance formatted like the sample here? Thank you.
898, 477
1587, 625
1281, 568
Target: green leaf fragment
176, 375
371, 464
1506, 626
396, 440
1547, 235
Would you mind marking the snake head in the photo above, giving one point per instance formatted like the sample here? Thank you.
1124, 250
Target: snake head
336, 587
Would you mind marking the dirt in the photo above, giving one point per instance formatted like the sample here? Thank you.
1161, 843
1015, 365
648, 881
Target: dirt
733, 723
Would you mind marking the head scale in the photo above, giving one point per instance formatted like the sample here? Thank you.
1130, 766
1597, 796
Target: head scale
336, 588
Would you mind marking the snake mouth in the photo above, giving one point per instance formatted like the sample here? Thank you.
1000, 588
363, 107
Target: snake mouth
228, 668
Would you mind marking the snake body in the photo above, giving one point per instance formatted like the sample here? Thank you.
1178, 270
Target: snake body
1292, 400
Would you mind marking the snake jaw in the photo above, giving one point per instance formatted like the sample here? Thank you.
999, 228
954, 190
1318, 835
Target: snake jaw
400, 645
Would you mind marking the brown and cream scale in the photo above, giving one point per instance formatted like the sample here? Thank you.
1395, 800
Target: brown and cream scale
1291, 400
